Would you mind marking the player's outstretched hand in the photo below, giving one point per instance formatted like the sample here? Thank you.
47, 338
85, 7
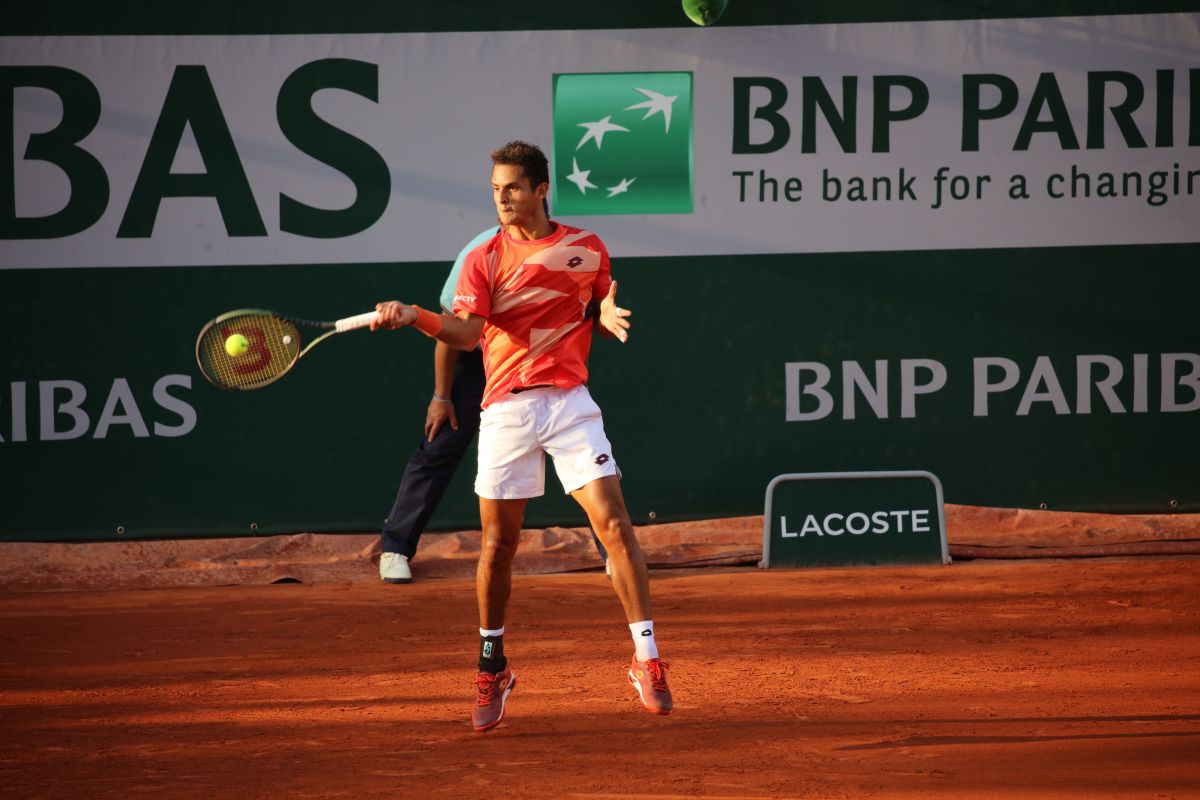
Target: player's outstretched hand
613, 318
393, 314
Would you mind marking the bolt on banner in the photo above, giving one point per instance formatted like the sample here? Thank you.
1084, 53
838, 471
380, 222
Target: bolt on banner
623, 143
827, 519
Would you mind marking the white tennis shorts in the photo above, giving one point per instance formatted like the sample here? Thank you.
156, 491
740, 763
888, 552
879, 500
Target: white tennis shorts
516, 431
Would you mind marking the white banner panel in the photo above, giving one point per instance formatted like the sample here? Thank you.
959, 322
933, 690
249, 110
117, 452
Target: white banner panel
1086, 128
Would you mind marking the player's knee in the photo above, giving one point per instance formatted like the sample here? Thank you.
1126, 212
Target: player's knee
498, 550
617, 532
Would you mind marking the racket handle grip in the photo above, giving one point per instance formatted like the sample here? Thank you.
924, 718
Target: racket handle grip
355, 322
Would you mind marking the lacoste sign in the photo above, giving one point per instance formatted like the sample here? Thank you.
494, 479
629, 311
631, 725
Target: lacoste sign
850, 518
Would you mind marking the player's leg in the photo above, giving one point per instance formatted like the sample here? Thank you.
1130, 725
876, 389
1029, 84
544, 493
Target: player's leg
572, 432
600, 550
511, 470
583, 459
501, 521
604, 504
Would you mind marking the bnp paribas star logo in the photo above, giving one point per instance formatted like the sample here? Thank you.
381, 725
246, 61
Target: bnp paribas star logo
622, 143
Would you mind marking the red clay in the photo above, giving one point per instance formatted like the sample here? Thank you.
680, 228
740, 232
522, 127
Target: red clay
1046, 679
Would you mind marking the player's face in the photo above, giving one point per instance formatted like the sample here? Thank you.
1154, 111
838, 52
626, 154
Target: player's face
516, 201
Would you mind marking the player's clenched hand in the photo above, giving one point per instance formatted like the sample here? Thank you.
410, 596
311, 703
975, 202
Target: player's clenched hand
393, 314
440, 412
613, 318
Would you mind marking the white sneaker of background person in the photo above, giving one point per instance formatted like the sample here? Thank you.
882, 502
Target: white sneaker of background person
393, 568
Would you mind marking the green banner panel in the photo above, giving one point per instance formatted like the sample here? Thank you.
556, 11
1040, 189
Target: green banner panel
854, 518
1023, 377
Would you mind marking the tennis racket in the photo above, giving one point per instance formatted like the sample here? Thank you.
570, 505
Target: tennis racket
276, 343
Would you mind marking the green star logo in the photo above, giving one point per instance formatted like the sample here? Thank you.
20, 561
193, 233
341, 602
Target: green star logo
622, 143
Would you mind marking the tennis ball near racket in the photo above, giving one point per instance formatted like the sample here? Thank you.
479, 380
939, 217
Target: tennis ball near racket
236, 345
704, 12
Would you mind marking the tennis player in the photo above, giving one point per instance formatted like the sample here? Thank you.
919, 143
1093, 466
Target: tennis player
530, 293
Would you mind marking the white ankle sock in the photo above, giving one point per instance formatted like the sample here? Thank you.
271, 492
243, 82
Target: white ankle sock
643, 639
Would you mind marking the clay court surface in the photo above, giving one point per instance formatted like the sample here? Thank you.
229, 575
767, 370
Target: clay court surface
1044, 678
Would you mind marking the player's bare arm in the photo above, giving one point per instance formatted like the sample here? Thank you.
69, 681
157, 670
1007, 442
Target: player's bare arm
460, 332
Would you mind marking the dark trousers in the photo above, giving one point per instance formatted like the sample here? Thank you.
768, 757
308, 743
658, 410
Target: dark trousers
432, 465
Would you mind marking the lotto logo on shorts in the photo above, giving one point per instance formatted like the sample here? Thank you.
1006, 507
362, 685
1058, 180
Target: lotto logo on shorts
603, 459
623, 143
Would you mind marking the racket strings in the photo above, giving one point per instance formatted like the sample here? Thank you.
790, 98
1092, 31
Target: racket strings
273, 346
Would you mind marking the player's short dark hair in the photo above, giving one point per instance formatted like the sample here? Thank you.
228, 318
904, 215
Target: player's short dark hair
529, 157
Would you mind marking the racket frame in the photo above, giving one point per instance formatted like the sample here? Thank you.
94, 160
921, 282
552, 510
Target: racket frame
337, 326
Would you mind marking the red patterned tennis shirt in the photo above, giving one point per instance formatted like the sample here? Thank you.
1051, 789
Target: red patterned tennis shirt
534, 296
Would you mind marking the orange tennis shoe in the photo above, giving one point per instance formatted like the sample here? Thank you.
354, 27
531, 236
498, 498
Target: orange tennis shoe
650, 680
492, 694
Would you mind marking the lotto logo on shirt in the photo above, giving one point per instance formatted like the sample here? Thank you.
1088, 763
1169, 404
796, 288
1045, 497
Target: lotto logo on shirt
623, 143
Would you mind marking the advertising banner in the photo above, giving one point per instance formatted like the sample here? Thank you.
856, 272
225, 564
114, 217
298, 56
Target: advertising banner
968, 246
854, 518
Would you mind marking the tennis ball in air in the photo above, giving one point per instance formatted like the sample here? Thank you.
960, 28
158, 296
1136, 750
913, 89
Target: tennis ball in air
704, 12
236, 345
